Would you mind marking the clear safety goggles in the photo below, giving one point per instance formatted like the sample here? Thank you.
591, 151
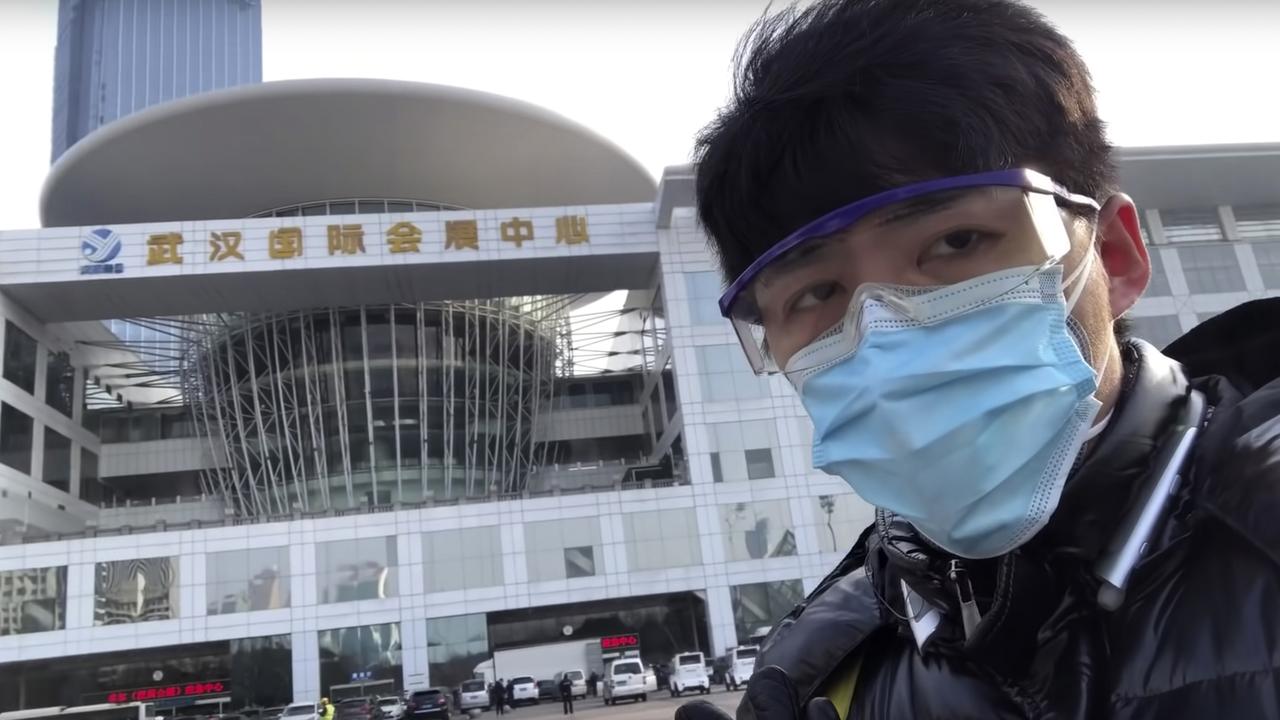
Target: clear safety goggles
890, 247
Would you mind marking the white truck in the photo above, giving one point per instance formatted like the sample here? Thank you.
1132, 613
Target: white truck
689, 672
742, 662
542, 662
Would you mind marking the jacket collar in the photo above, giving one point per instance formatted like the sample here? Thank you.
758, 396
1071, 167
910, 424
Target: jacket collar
1017, 591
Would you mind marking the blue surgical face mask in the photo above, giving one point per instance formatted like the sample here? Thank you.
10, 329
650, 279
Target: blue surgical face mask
964, 419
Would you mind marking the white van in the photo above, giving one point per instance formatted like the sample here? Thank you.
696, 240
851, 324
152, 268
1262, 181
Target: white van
689, 672
625, 679
579, 680
742, 662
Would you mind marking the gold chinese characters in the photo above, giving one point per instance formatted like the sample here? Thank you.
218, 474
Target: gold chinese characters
225, 245
162, 249
285, 243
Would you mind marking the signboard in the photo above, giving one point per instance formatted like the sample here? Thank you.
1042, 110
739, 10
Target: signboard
615, 643
164, 692
101, 246
619, 646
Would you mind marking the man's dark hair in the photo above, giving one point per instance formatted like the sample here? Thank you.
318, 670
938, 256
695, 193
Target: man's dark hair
847, 98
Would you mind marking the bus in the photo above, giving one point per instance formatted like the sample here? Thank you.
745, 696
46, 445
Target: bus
105, 711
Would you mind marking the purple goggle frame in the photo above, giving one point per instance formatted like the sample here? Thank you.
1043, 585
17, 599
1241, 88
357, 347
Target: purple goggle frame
845, 217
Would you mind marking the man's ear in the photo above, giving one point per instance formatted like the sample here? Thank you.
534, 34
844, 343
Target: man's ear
1123, 254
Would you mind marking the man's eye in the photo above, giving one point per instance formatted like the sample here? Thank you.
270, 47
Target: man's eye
954, 243
815, 296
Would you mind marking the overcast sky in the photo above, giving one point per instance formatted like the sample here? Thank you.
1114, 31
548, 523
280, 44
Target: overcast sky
648, 74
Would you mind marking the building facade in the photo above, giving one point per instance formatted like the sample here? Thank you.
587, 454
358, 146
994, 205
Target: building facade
428, 411
115, 57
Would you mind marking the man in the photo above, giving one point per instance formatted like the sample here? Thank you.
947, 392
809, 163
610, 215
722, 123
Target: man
593, 682
498, 695
566, 694
326, 709
915, 204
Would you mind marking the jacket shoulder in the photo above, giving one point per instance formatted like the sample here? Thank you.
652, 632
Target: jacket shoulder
820, 633
1239, 467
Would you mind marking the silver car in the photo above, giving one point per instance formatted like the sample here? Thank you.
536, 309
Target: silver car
300, 711
473, 694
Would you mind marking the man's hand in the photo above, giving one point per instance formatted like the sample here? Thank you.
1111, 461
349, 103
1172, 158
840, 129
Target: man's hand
770, 696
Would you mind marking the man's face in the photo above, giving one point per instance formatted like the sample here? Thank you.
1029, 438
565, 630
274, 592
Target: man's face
949, 238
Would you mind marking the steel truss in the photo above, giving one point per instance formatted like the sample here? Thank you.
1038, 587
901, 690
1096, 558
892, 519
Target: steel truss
344, 407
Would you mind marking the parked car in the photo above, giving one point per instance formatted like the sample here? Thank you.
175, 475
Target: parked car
623, 680
579, 680
524, 691
300, 711
548, 690
356, 708
472, 694
429, 703
651, 679
272, 713
392, 707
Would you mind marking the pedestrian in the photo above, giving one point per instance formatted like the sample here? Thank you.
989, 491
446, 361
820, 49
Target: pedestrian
510, 694
592, 682
915, 206
498, 696
326, 709
566, 694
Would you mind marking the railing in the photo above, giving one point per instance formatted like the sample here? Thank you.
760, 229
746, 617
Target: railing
154, 501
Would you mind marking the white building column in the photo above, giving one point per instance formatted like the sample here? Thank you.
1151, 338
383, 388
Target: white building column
413, 656
306, 666
724, 634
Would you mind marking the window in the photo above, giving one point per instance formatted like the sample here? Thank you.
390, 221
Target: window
60, 383
33, 600
16, 436
726, 376
841, 519
132, 591
19, 357
462, 559
1211, 268
704, 298
1258, 222
1159, 330
372, 652
579, 562
362, 569
247, 580
758, 606
57, 460
757, 530
1267, 256
1159, 285
92, 490
455, 646
659, 539
561, 549
717, 473
1191, 224
759, 464
742, 450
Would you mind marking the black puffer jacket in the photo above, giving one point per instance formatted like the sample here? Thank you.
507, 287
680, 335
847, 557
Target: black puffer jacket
1198, 634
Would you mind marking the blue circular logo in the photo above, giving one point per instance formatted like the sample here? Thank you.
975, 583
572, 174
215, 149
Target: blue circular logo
101, 245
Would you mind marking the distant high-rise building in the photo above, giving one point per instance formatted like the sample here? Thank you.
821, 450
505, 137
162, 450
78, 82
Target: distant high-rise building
115, 57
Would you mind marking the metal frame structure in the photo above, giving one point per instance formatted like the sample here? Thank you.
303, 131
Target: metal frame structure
345, 407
